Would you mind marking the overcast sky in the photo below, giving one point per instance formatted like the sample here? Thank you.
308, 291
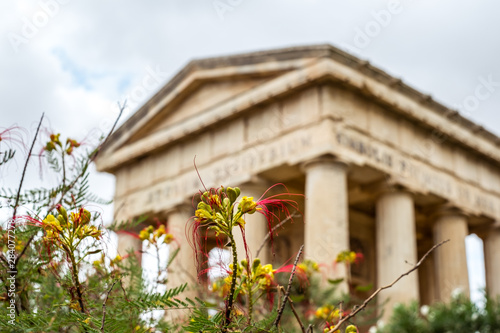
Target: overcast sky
74, 59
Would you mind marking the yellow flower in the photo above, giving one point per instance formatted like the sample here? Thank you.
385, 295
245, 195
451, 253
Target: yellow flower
160, 231
52, 223
55, 138
241, 222
75, 306
144, 234
168, 238
351, 329
327, 312
19, 245
247, 205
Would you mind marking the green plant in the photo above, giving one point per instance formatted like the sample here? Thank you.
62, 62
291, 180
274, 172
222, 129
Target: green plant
459, 315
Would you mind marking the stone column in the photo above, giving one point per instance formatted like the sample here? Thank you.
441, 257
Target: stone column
450, 259
427, 281
256, 227
426, 274
183, 269
127, 243
492, 262
326, 215
396, 247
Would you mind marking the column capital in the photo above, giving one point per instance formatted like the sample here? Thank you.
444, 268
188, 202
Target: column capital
325, 159
446, 210
483, 231
387, 186
495, 226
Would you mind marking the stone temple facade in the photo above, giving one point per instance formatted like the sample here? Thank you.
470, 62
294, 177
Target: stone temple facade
384, 169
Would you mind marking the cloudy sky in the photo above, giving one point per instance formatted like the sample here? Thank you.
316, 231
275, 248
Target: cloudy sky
74, 59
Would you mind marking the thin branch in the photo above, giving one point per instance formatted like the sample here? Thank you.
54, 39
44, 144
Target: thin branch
296, 315
122, 108
268, 235
3, 259
104, 306
289, 287
14, 213
24, 169
90, 159
365, 303
124, 292
24, 249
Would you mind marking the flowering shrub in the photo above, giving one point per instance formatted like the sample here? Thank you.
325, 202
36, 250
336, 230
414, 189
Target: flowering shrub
56, 272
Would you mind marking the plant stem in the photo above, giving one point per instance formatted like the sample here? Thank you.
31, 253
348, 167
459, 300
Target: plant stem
74, 270
230, 297
250, 296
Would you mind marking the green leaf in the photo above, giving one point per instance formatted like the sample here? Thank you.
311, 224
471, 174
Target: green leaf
336, 281
366, 288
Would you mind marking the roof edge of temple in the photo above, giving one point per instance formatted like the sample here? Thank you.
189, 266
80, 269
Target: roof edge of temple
293, 53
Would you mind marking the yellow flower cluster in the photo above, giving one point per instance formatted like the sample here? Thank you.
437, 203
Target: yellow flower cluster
259, 277
154, 236
349, 329
64, 230
263, 275
329, 327
308, 267
346, 257
217, 209
55, 141
328, 313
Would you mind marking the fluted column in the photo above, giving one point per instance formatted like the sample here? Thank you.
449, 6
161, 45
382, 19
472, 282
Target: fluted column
450, 259
396, 247
183, 269
326, 215
128, 243
256, 227
492, 262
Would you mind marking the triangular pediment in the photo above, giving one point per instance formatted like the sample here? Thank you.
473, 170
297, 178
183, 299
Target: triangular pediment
197, 99
210, 91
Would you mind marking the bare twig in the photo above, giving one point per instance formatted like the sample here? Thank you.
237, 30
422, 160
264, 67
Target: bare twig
24, 169
124, 292
296, 315
23, 302
268, 235
310, 328
122, 108
24, 249
91, 158
104, 306
365, 303
289, 287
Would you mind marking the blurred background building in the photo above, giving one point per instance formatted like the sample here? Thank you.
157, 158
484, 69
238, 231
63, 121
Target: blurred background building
385, 170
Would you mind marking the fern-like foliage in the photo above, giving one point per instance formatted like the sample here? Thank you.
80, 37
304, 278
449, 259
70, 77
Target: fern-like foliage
201, 321
6, 156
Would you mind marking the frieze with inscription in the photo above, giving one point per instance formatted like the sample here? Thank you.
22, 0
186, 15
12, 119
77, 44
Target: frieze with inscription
417, 175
